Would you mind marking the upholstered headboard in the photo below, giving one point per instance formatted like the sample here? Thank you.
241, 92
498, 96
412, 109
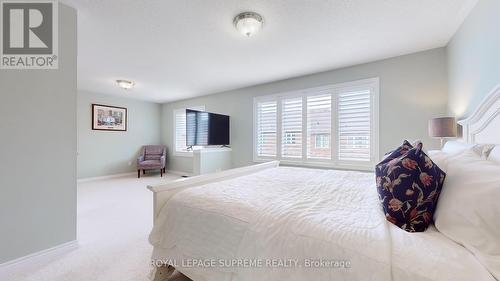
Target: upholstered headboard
483, 126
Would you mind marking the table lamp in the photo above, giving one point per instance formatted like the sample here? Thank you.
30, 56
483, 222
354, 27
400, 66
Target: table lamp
443, 127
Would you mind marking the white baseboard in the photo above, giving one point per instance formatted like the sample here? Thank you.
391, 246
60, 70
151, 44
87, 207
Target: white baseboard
38, 257
179, 173
82, 180
105, 177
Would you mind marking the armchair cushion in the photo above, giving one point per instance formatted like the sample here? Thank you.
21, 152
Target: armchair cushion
150, 164
152, 157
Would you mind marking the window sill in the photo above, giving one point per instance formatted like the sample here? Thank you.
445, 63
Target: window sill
366, 167
183, 154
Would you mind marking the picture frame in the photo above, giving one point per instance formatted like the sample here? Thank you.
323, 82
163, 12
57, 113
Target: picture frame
109, 118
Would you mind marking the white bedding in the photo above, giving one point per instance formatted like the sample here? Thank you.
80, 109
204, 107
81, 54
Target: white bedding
296, 213
468, 211
431, 256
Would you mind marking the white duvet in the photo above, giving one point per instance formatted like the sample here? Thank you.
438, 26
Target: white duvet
304, 216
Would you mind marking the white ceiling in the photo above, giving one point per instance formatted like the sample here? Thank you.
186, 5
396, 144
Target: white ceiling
185, 48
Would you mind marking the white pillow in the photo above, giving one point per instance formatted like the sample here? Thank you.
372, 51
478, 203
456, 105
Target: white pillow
483, 150
440, 158
468, 211
495, 155
455, 147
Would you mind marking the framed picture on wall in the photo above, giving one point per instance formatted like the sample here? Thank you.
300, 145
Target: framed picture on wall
109, 118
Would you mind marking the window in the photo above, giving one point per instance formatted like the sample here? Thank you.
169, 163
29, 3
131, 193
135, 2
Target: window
180, 131
266, 129
332, 126
291, 124
322, 141
290, 138
319, 123
354, 123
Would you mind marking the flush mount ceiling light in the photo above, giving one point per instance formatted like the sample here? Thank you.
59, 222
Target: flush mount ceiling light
125, 84
248, 23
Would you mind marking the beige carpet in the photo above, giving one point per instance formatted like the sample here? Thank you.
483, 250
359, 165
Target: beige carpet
169, 274
114, 221
177, 276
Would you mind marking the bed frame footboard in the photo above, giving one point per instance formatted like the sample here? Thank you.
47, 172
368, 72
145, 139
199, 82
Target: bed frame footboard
163, 192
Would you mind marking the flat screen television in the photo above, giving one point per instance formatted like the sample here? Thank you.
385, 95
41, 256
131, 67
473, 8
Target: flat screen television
205, 128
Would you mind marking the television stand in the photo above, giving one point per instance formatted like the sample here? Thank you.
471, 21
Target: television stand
225, 146
211, 160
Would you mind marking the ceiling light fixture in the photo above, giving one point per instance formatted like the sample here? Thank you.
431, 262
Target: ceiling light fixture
248, 23
125, 84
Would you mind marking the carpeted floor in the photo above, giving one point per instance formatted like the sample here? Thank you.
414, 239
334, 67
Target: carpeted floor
114, 220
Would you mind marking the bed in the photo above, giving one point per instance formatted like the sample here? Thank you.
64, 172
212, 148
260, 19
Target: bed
266, 222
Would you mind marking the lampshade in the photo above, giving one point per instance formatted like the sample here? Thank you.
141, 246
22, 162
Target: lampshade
444, 127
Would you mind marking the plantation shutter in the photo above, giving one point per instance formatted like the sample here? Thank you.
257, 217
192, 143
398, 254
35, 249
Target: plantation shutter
330, 126
291, 124
319, 126
354, 125
266, 129
180, 128
197, 132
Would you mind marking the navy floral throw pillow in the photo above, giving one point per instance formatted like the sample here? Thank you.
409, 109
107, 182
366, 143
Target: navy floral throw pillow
398, 152
409, 186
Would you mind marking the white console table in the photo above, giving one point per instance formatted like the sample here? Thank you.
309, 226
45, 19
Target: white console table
210, 160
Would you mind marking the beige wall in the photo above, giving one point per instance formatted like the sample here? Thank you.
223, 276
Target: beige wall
38, 151
413, 89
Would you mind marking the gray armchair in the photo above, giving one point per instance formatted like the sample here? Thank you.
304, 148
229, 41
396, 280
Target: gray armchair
152, 158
